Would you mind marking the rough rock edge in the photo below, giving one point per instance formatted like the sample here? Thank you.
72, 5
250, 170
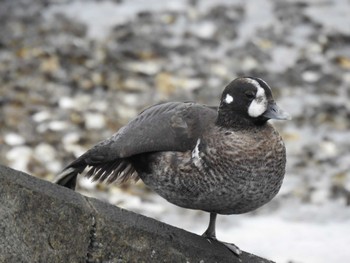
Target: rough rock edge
114, 234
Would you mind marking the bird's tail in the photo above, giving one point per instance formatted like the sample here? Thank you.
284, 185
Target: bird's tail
68, 177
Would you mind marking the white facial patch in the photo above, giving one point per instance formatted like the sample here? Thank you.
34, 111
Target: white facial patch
259, 105
228, 99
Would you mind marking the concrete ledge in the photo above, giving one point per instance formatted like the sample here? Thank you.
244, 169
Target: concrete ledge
44, 222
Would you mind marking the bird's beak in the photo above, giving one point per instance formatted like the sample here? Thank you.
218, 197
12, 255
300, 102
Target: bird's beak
275, 112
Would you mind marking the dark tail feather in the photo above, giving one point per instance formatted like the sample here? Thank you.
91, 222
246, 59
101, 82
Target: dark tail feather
67, 178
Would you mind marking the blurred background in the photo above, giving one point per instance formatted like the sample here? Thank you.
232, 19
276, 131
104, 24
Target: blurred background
73, 72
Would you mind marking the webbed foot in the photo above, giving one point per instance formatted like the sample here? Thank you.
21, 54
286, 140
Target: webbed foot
210, 235
232, 247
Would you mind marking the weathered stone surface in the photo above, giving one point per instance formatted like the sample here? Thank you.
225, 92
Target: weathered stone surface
40, 222
43, 222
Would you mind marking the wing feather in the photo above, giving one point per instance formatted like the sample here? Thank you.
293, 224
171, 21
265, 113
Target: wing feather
173, 126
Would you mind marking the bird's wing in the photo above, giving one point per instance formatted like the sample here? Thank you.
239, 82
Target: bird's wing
173, 126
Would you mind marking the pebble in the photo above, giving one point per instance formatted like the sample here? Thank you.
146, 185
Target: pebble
66, 103
70, 138
80, 103
100, 106
58, 125
145, 67
126, 113
94, 121
19, 157
41, 116
44, 152
310, 76
249, 63
328, 149
13, 139
205, 30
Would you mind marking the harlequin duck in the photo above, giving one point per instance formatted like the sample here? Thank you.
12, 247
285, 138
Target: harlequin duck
228, 160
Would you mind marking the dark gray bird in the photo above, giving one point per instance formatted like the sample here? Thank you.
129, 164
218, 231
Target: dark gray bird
225, 161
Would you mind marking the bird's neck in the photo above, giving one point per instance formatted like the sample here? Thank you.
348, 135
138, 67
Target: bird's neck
228, 119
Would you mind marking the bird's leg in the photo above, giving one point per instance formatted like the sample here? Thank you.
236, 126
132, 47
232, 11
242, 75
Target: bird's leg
210, 234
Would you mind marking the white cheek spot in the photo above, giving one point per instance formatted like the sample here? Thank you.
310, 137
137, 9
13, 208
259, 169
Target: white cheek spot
228, 98
259, 105
195, 153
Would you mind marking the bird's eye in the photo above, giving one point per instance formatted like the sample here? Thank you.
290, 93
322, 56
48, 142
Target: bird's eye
250, 95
